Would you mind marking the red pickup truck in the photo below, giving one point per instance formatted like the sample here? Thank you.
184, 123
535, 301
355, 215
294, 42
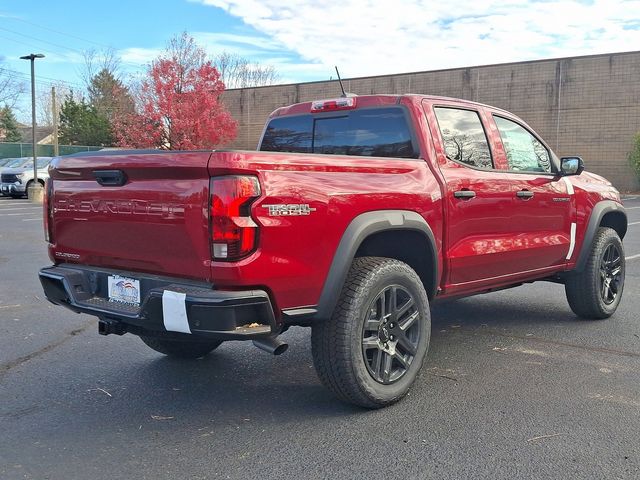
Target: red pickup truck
352, 217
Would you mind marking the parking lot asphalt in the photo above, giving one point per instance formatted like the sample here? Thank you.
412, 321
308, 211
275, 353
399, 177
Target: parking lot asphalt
515, 386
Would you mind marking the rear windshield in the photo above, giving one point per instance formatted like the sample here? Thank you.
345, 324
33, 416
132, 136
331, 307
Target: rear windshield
371, 132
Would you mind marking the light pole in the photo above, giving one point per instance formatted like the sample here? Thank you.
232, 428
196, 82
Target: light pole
36, 189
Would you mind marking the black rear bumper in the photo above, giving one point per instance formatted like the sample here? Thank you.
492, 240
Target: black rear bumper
214, 314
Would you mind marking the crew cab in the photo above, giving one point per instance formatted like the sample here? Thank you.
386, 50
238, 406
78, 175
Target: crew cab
354, 215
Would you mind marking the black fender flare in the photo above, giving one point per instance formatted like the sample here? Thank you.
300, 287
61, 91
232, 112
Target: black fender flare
358, 230
600, 209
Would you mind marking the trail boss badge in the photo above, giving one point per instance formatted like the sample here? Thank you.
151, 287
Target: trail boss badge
289, 210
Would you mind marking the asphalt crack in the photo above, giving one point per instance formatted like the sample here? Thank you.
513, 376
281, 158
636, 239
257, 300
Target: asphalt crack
8, 366
611, 351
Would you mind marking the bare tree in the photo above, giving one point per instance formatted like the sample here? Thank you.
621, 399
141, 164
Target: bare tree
11, 87
96, 61
184, 50
44, 114
238, 72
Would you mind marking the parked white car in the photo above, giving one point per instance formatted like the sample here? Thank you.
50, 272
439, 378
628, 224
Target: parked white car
17, 176
10, 163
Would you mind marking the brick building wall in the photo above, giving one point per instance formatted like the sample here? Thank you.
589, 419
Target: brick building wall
589, 106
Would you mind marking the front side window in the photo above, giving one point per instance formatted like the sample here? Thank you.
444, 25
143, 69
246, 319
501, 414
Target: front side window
463, 136
371, 132
524, 151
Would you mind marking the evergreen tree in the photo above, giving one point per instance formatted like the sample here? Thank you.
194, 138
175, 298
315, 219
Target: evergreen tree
82, 124
109, 95
9, 131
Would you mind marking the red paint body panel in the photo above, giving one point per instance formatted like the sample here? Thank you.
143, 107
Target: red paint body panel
295, 253
158, 222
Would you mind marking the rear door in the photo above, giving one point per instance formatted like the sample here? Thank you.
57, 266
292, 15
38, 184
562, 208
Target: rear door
478, 198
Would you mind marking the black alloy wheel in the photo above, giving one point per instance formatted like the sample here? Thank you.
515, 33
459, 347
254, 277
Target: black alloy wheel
391, 334
610, 273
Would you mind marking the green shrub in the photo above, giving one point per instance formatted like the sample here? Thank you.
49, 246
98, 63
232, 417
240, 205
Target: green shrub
634, 155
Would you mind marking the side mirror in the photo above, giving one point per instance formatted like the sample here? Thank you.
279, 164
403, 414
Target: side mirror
571, 166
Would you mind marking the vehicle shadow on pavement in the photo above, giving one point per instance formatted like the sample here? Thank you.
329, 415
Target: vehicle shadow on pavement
242, 382
496, 310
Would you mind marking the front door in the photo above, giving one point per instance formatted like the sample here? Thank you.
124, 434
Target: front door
543, 202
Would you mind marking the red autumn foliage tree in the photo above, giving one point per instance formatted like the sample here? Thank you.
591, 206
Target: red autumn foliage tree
179, 104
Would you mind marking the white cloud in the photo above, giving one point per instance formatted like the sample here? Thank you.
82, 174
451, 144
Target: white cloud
248, 46
372, 37
139, 56
259, 49
263, 43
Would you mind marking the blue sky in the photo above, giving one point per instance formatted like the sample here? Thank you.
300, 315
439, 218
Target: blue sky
136, 30
303, 39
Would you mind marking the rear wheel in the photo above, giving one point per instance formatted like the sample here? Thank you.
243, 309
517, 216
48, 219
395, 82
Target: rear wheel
595, 292
180, 348
372, 348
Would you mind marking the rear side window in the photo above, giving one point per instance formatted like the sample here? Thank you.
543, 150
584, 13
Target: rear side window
463, 136
372, 132
289, 134
524, 151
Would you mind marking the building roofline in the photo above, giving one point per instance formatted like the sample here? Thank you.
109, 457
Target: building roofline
387, 75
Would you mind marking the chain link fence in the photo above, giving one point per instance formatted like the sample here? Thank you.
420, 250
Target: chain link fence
17, 150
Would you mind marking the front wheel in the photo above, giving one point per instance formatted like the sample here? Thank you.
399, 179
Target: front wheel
595, 292
180, 348
372, 348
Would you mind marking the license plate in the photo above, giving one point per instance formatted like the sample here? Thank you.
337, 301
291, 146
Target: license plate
124, 289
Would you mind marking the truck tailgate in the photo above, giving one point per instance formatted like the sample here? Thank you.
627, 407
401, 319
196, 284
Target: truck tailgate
140, 211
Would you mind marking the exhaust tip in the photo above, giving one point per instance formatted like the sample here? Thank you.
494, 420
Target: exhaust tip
271, 345
280, 349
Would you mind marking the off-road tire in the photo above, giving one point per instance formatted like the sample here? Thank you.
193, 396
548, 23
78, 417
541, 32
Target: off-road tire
180, 348
584, 289
338, 345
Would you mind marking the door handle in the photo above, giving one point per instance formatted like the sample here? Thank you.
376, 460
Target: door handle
464, 194
524, 194
110, 178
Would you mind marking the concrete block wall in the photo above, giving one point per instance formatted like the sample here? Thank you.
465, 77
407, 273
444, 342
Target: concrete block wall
589, 106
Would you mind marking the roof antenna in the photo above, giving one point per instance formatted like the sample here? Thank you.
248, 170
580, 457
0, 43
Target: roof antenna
344, 94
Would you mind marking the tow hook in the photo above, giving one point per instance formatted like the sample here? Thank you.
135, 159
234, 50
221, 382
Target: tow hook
107, 327
271, 345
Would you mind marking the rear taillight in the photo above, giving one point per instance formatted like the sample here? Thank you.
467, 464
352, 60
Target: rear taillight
234, 234
47, 210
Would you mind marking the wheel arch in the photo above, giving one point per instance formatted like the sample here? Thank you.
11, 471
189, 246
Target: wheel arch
605, 213
399, 234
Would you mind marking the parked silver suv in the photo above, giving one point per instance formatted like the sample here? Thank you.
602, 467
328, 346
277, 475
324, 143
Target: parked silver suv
17, 176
